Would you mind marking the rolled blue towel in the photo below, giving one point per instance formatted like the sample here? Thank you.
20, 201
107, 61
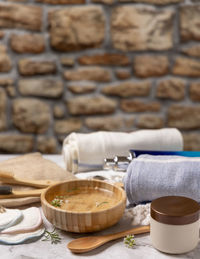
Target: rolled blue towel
149, 177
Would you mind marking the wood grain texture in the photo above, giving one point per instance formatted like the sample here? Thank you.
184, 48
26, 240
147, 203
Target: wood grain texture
85, 244
7, 177
82, 222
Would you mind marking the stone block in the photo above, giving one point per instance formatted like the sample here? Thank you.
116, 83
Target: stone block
122, 74
67, 61
3, 104
103, 1
46, 145
27, 43
150, 65
21, 16
16, 144
184, 117
67, 126
6, 81
194, 91
30, 67
191, 141
91, 105
107, 59
189, 22
31, 115
186, 67
88, 73
81, 87
128, 88
132, 105
109, 123
156, 2
150, 122
56, 2
50, 88
193, 51
77, 28
59, 111
173, 88
2, 34
5, 61
141, 28
11, 91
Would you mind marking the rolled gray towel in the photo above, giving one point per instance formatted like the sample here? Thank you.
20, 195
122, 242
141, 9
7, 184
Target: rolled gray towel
149, 177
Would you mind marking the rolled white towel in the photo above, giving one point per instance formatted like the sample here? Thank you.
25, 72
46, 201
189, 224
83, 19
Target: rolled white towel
86, 152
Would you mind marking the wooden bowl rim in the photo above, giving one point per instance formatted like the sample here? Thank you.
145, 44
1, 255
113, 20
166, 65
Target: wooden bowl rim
122, 200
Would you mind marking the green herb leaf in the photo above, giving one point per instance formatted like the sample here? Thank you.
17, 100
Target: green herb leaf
129, 241
52, 236
56, 202
59, 197
101, 203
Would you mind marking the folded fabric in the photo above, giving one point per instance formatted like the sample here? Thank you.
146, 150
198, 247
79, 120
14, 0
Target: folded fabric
149, 177
86, 152
31, 167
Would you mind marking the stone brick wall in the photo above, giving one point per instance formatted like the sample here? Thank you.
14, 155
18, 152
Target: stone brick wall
87, 65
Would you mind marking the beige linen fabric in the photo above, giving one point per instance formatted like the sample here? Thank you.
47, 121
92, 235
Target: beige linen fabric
34, 167
86, 151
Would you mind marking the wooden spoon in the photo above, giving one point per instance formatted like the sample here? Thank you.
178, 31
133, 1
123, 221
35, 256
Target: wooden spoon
7, 177
6, 192
85, 244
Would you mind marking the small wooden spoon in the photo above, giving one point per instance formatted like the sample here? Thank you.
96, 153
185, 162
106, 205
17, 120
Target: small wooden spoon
85, 244
8, 177
6, 192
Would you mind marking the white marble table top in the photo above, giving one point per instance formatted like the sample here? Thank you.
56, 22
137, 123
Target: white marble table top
114, 249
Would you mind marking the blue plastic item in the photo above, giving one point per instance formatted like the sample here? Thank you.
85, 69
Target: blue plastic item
136, 153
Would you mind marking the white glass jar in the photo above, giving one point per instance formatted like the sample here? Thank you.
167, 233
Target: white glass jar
174, 224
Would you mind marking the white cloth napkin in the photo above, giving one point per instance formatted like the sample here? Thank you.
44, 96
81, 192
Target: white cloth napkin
86, 152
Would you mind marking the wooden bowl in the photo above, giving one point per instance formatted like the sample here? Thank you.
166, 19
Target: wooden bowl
82, 222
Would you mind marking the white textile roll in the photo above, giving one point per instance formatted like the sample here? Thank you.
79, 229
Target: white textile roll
86, 152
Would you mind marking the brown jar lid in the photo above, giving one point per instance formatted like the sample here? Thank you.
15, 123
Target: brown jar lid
175, 210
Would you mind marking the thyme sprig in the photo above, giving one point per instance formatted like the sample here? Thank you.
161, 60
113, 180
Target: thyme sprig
99, 204
56, 202
129, 241
52, 236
